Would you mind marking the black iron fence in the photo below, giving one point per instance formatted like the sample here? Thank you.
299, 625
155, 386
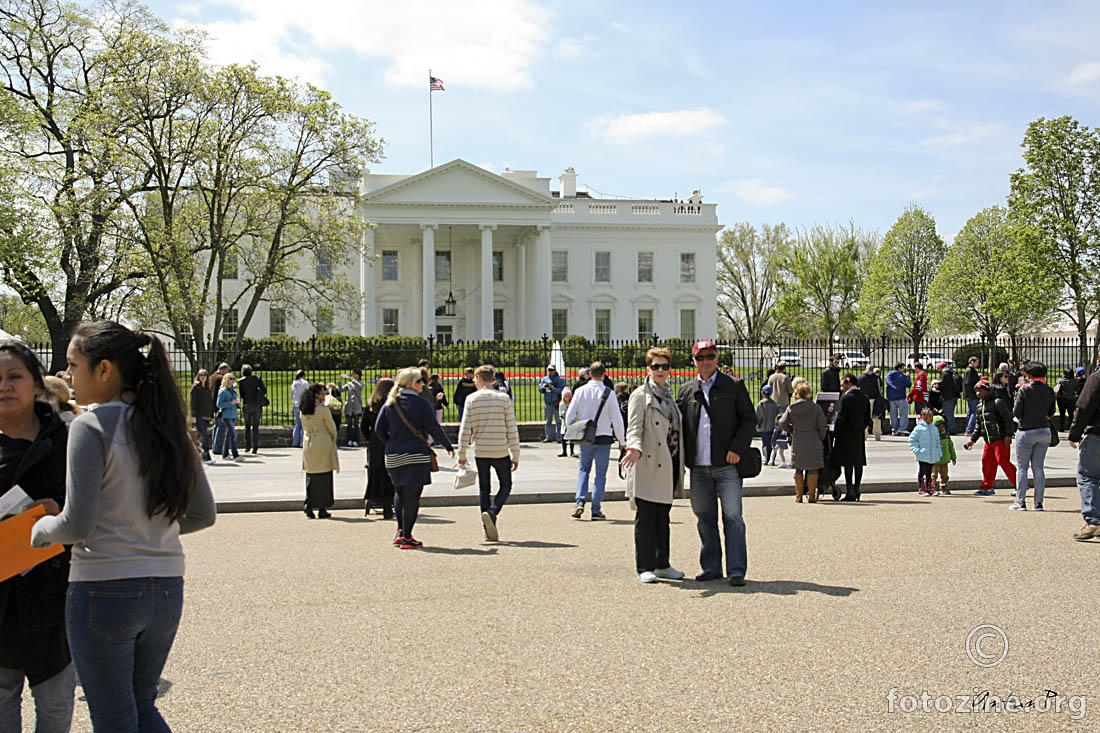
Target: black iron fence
327, 359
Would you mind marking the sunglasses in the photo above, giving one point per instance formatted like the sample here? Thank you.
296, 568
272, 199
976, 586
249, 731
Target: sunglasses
660, 367
419, 381
706, 357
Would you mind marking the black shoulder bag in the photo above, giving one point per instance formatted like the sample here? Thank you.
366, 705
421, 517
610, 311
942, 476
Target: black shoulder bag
751, 462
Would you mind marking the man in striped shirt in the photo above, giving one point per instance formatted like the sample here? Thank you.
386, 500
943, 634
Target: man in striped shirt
489, 423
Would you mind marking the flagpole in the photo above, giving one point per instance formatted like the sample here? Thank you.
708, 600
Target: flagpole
431, 132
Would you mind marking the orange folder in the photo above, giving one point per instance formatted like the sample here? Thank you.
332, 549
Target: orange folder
16, 553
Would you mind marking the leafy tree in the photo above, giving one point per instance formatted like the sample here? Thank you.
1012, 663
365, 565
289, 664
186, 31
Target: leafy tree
992, 280
748, 270
22, 320
896, 292
64, 157
1058, 194
819, 282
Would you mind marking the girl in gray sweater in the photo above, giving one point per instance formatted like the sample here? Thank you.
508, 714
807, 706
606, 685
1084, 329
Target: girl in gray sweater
133, 486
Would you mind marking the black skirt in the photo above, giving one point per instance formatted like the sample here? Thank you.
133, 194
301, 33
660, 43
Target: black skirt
319, 490
379, 487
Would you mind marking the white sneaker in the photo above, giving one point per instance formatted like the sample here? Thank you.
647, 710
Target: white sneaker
210, 461
487, 520
669, 573
1018, 507
648, 577
784, 465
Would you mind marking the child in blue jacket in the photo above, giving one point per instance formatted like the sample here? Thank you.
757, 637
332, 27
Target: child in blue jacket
924, 441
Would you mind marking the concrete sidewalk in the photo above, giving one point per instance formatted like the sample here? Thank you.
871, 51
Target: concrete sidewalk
273, 480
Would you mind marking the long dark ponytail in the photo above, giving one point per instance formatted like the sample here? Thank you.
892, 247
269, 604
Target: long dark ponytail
157, 426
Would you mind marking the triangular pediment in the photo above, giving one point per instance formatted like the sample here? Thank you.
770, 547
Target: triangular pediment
458, 183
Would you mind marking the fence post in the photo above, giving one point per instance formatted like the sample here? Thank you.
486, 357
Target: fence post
431, 348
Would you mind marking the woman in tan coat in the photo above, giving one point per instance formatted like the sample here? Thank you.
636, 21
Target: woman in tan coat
319, 458
655, 471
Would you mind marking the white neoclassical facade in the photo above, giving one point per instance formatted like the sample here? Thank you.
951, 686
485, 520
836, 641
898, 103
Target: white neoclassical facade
460, 253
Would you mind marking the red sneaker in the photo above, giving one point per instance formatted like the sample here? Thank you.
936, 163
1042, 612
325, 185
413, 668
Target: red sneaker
408, 543
398, 538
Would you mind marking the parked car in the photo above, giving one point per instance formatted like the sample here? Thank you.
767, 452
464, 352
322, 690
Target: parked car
790, 356
928, 359
852, 359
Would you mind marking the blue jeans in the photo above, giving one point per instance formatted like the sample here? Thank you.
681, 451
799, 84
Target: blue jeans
601, 453
766, 444
202, 426
353, 427
120, 633
503, 468
229, 441
219, 434
899, 416
296, 436
971, 415
949, 415
53, 701
1088, 477
1031, 448
709, 486
553, 422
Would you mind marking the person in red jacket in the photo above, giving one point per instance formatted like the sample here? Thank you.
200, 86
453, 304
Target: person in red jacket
919, 394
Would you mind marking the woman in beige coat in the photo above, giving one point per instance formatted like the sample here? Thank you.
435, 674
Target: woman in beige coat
655, 471
319, 458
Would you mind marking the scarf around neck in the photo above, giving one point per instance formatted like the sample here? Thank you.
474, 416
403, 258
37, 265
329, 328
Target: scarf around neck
663, 400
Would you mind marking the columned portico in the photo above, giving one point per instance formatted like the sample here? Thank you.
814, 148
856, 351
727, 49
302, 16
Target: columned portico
366, 284
486, 320
428, 278
524, 292
543, 313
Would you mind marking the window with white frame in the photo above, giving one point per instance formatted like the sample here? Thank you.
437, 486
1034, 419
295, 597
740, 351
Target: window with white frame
444, 335
322, 267
645, 323
559, 266
498, 324
603, 267
324, 319
687, 267
390, 325
276, 321
389, 265
498, 267
230, 271
230, 323
442, 267
687, 324
559, 323
645, 267
603, 325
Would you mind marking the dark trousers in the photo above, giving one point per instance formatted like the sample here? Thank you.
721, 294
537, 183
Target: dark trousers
406, 505
1065, 411
202, 425
651, 535
503, 468
766, 444
252, 415
924, 475
853, 477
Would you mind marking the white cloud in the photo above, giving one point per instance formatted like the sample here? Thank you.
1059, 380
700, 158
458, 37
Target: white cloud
479, 43
961, 136
755, 191
1085, 73
620, 27
632, 128
570, 48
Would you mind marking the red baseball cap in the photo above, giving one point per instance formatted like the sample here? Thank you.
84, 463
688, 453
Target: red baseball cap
703, 345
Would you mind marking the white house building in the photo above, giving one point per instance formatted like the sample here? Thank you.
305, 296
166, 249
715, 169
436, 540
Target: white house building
463, 254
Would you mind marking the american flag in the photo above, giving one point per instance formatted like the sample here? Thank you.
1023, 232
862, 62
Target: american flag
435, 85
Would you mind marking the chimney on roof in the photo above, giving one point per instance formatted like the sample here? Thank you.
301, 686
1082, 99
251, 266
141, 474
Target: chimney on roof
568, 183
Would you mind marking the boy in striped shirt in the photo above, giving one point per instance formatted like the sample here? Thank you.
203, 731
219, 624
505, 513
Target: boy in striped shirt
489, 423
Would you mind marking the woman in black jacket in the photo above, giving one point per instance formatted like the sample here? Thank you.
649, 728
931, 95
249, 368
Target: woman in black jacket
33, 442
1066, 393
849, 433
202, 411
1033, 410
379, 493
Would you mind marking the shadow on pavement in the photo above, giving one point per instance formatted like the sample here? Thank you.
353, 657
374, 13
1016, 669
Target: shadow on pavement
428, 519
774, 587
536, 544
458, 551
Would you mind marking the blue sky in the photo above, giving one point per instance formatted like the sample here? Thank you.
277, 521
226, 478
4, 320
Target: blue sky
791, 112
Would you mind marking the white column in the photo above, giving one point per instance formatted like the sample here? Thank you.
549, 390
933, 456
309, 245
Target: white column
487, 281
521, 289
541, 312
366, 284
428, 279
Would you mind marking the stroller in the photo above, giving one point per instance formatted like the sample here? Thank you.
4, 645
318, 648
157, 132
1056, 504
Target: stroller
829, 475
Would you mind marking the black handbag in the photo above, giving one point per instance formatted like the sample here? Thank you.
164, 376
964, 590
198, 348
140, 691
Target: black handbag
1054, 440
583, 432
750, 464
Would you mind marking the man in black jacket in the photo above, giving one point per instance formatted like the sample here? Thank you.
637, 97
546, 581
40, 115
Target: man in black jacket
464, 389
253, 394
830, 378
1084, 434
719, 422
970, 379
951, 386
868, 383
995, 424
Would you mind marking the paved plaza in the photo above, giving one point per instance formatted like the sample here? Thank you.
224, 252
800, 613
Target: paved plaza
298, 625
